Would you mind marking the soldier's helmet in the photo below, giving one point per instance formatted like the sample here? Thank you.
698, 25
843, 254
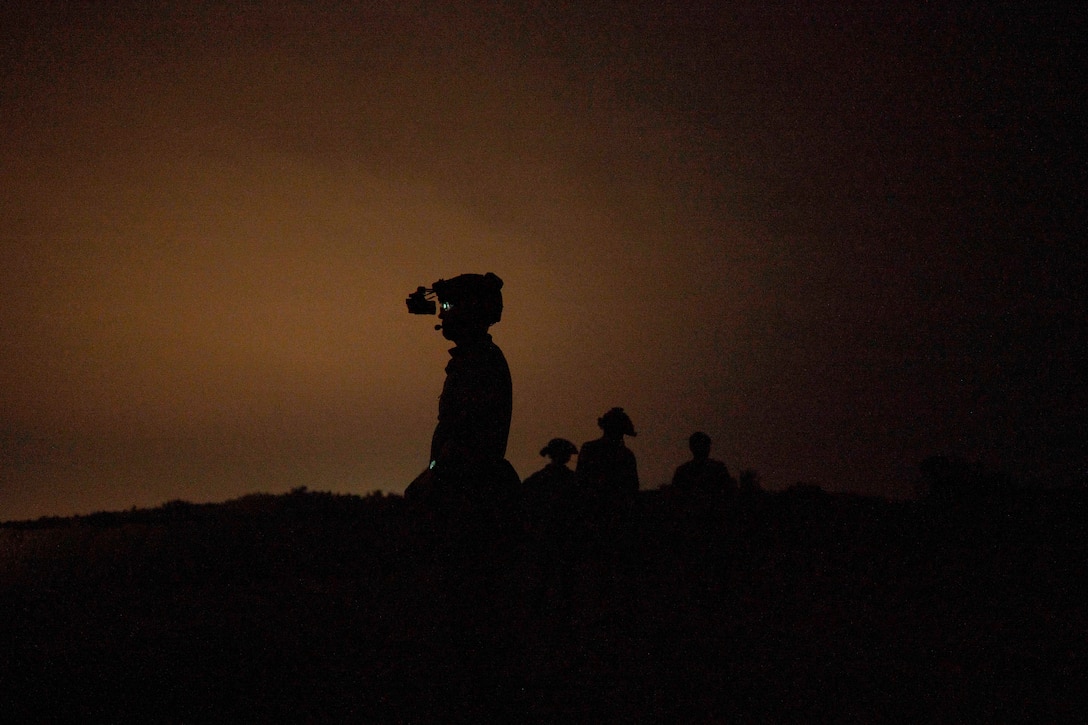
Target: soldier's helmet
618, 421
478, 294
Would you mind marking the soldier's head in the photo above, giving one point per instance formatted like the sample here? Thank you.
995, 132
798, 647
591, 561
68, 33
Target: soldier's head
468, 304
616, 424
699, 443
559, 450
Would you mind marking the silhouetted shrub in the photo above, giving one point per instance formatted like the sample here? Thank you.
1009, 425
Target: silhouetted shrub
750, 481
951, 478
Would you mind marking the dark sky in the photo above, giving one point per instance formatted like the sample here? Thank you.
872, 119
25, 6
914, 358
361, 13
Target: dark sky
838, 240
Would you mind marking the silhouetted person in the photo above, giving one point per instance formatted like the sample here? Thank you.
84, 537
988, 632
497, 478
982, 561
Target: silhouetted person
606, 467
702, 474
468, 448
555, 480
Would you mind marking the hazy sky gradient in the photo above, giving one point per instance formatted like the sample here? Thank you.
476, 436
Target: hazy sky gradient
836, 240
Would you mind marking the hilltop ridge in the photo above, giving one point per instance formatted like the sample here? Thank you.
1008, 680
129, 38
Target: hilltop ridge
799, 605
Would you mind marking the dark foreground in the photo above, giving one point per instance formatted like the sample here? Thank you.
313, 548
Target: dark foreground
798, 607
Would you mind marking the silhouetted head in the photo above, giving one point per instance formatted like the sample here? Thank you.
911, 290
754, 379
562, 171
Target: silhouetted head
468, 304
559, 450
699, 443
616, 424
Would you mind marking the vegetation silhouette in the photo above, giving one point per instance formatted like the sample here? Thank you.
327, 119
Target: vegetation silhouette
952, 479
749, 482
795, 606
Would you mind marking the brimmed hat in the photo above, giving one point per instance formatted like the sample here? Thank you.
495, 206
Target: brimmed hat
559, 447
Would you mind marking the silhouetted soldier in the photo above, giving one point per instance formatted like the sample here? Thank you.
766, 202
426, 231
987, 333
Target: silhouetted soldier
606, 467
555, 480
702, 474
468, 448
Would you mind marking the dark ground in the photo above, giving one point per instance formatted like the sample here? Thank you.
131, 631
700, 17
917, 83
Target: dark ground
791, 607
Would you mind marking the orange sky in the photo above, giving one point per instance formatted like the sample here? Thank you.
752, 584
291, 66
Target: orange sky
804, 232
